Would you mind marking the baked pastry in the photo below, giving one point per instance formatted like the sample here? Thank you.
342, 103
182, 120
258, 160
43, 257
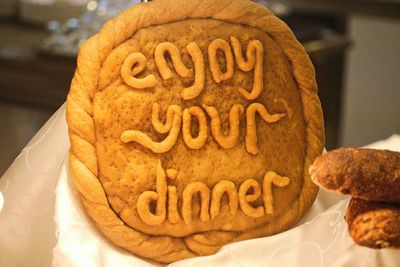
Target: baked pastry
368, 174
374, 224
192, 125
372, 178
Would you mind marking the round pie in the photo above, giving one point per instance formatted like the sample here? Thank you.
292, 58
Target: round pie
192, 125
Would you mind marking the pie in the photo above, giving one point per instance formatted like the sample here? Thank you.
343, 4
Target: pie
192, 125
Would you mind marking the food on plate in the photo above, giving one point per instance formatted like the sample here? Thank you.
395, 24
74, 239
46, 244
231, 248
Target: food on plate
193, 125
372, 178
374, 224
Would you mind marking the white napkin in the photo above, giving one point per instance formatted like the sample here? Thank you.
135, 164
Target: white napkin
26, 218
322, 240
1, 201
392, 143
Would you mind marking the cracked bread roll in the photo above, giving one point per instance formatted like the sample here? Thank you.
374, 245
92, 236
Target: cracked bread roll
367, 174
372, 178
374, 224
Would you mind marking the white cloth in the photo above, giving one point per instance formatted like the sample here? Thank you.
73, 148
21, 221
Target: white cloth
29, 236
26, 219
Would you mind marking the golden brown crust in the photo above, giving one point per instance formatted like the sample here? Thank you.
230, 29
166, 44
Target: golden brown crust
88, 80
363, 173
374, 224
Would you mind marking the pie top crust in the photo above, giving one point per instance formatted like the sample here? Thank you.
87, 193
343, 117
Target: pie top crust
192, 124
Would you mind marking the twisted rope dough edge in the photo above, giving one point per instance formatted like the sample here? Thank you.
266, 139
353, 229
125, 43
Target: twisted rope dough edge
83, 158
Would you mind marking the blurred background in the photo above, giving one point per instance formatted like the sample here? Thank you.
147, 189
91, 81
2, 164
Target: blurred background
354, 45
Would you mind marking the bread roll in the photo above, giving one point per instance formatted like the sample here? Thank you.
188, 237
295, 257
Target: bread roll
374, 224
367, 174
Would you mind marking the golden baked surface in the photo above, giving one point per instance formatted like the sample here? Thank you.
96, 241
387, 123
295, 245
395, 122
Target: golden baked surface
374, 224
368, 174
193, 127
127, 170
372, 178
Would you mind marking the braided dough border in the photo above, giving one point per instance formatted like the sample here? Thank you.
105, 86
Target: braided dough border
85, 83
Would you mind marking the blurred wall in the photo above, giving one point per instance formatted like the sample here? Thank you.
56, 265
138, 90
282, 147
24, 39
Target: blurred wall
372, 90
39, 12
8, 8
